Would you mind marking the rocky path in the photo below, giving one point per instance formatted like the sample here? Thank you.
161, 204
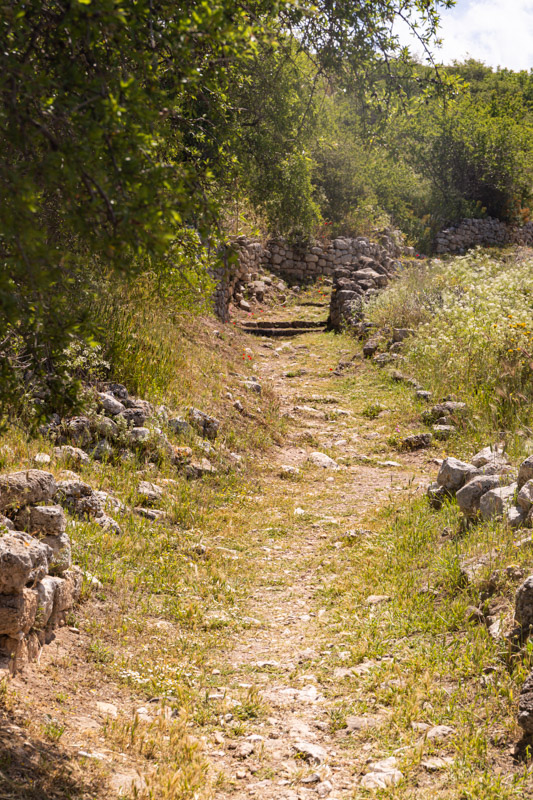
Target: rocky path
292, 743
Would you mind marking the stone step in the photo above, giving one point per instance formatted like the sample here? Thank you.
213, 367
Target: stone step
286, 324
281, 331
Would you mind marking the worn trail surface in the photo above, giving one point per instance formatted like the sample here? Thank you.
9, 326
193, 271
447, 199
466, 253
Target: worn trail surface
292, 655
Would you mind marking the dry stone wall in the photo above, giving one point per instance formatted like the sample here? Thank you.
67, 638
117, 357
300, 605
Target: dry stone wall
485, 232
298, 263
38, 584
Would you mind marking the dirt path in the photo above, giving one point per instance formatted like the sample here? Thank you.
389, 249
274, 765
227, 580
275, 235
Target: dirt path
292, 655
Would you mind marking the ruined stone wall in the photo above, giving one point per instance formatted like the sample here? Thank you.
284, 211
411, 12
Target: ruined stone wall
299, 263
482, 232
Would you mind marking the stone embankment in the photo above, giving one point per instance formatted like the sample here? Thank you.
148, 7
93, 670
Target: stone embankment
482, 232
38, 583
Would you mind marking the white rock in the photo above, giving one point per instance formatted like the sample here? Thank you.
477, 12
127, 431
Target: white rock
322, 460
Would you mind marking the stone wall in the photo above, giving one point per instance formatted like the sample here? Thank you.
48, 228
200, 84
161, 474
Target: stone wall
38, 584
299, 263
485, 232
354, 283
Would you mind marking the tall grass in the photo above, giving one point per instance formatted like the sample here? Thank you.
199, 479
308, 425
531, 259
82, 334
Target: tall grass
473, 318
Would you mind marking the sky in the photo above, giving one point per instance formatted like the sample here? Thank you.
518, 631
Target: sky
497, 32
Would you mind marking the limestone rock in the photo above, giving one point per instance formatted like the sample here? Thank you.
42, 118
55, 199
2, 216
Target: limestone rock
61, 558
453, 474
437, 495
515, 516
73, 455
524, 604
110, 404
46, 591
469, 496
78, 429
417, 441
26, 488
495, 502
382, 774
313, 753
118, 390
525, 473
6, 524
42, 519
488, 456
179, 425
150, 493
197, 469
17, 612
205, 425
23, 560
323, 460
525, 496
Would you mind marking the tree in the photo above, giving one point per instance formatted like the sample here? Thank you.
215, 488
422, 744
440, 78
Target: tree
117, 124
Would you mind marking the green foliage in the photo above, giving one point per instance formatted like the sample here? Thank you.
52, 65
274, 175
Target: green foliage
473, 317
125, 125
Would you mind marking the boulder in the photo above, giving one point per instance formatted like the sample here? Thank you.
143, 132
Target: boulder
488, 456
17, 612
104, 428
443, 410
417, 441
371, 346
135, 416
6, 524
437, 495
495, 502
26, 488
78, 429
453, 474
525, 473
197, 469
23, 560
139, 435
118, 390
515, 516
179, 425
399, 334
469, 496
